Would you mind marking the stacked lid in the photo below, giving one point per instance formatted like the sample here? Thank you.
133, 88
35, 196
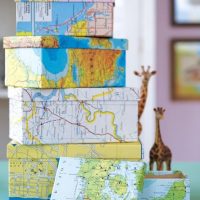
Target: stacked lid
65, 62
65, 17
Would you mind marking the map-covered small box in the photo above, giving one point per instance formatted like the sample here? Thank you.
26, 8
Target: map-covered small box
65, 17
32, 169
65, 62
166, 185
98, 179
77, 115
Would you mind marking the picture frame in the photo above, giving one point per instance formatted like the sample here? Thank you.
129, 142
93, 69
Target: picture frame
185, 12
185, 63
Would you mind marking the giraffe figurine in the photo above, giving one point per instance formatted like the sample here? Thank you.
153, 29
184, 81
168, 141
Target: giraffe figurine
160, 153
145, 75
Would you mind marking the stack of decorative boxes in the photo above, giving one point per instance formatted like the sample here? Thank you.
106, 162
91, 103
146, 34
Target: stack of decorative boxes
67, 95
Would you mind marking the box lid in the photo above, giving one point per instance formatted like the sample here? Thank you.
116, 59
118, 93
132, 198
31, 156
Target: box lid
62, 41
75, 94
123, 151
106, 1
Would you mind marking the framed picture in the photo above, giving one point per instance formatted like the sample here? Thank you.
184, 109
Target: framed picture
186, 12
185, 69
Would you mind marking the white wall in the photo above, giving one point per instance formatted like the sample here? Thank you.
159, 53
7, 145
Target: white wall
135, 20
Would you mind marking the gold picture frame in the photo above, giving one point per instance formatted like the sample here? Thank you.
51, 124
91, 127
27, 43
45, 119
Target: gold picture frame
185, 57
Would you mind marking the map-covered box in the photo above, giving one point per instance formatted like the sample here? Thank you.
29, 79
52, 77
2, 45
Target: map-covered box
77, 115
66, 17
98, 179
166, 185
65, 62
32, 169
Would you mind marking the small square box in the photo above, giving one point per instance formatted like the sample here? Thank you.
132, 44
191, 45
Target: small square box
166, 185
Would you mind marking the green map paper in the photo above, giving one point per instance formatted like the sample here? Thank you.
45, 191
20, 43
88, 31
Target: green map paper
92, 179
161, 188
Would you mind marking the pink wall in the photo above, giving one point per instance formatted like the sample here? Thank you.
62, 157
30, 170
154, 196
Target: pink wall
181, 126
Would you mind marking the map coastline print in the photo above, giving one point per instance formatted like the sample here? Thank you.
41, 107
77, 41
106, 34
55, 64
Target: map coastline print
162, 186
83, 18
32, 168
79, 179
66, 67
73, 115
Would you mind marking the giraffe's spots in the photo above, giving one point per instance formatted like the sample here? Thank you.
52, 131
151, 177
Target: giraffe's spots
157, 151
155, 146
151, 157
155, 156
143, 96
163, 155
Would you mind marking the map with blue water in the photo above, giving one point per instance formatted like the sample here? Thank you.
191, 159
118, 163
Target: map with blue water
80, 179
65, 18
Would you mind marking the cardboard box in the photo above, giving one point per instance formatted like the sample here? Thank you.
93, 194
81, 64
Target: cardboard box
63, 62
32, 169
66, 17
78, 115
166, 185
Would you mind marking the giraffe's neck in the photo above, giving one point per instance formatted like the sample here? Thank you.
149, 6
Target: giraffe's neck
143, 97
158, 138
